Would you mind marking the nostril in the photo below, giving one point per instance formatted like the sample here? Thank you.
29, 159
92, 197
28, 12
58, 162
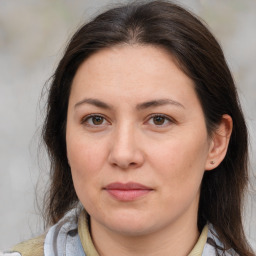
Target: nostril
124, 165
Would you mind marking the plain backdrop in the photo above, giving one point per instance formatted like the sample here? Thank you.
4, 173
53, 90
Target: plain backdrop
33, 35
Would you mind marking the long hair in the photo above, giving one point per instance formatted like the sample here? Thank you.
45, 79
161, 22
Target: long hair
200, 57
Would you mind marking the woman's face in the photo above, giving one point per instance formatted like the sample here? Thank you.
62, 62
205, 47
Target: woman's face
137, 142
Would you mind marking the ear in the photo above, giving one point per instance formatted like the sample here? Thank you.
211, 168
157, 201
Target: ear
219, 143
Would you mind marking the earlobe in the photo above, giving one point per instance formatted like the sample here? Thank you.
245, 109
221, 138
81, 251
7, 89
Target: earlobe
219, 143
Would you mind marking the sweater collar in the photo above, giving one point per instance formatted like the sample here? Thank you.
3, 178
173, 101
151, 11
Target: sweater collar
89, 249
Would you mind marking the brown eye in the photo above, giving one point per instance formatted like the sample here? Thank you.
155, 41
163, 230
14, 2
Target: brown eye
97, 120
94, 120
159, 120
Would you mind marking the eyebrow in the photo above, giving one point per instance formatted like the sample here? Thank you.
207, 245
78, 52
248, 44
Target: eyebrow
95, 102
141, 106
157, 103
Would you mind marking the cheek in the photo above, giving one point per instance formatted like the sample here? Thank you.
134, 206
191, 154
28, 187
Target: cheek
85, 157
86, 160
180, 166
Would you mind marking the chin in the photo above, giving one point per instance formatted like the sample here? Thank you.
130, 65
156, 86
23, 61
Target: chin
134, 230
130, 225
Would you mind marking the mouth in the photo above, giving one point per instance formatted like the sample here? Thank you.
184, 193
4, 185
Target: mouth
127, 191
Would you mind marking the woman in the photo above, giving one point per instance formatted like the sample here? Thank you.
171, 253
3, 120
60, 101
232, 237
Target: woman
147, 140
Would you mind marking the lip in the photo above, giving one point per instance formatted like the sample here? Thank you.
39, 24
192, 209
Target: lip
127, 191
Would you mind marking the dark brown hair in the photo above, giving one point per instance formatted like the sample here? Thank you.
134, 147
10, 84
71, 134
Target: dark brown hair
199, 55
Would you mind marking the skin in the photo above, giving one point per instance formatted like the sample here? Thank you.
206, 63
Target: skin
168, 153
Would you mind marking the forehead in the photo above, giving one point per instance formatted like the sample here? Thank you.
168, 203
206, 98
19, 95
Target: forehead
131, 70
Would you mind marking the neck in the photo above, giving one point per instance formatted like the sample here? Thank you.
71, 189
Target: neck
174, 239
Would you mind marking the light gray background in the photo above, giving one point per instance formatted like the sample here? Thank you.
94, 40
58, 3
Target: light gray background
33, 34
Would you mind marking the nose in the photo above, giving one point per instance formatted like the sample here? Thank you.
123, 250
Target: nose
125, 151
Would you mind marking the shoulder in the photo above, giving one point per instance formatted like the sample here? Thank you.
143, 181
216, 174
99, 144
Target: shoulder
59, 236
214, 246
32, 247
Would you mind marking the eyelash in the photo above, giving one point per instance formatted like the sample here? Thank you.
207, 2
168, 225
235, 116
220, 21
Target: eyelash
166, 119
86, 118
